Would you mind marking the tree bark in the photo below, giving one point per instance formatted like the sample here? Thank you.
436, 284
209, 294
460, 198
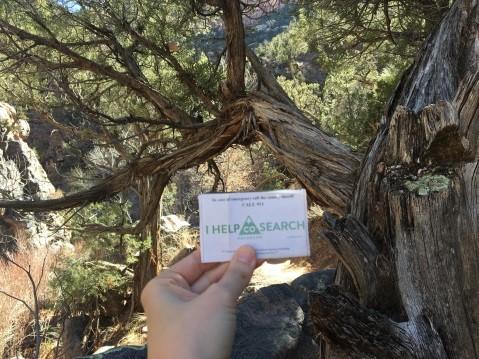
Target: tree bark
417, 200
150, 190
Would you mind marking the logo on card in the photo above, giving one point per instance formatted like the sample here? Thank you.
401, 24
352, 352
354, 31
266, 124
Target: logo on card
249, 227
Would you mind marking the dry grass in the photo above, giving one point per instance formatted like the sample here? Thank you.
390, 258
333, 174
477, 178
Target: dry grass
135, 333
15, 318
173, 243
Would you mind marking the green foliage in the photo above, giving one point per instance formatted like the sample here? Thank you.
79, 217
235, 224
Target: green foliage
100, 30
168, 199
359, 79
106, 245
83, 286
272, 177
307, 96
355, 96
342, 28
286, 46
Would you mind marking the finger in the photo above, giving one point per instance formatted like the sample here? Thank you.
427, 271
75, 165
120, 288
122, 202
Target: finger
165, 288
238, 274
208, 278
177, 278
212, 276
191, 267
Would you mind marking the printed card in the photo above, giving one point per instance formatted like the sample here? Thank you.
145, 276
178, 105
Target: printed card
275, 223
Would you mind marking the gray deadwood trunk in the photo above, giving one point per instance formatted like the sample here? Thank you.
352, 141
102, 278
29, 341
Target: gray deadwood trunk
408, 283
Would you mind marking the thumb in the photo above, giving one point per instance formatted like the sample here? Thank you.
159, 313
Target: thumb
239, 273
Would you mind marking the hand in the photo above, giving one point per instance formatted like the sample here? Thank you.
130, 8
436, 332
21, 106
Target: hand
191, 307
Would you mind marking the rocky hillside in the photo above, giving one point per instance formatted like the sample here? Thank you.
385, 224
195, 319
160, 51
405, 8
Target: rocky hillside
23, 177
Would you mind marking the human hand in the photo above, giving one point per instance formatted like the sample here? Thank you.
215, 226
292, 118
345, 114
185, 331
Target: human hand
191, 307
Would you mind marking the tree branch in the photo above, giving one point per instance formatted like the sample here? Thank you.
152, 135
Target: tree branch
204, 95
206, 143
235, 44
325, 166
265, 77
163, 104
359, 254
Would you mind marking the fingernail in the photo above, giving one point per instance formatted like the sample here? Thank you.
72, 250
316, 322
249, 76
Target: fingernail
246, 255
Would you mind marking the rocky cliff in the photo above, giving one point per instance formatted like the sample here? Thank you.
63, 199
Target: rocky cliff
23, 177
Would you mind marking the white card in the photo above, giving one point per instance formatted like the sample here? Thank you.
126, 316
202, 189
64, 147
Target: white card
275, 223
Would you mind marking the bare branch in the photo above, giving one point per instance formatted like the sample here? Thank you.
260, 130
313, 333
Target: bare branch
206, 143
204, 95
19, 300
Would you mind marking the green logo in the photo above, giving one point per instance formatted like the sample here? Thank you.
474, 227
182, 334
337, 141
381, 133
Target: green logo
249, 227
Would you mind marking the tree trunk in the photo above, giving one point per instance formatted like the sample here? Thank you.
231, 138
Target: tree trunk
410, 245
150, 190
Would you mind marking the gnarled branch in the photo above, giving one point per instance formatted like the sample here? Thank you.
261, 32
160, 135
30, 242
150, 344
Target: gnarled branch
326, 167
358, 253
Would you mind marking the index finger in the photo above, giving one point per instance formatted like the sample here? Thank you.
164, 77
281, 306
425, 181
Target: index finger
191, 267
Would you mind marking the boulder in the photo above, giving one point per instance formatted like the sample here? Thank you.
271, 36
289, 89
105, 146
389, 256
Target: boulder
173, 223
272, 322
123, 352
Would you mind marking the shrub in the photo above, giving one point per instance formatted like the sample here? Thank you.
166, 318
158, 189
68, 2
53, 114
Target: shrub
84, 286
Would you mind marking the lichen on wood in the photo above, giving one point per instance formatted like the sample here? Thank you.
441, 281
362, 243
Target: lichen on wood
427, 184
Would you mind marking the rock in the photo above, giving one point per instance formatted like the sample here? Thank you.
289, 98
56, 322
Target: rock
23, 177
10, 126
72, 337
272, 323
269, 323
104, 349
36, 184
124, 352
7, 121
23, 129
173, 223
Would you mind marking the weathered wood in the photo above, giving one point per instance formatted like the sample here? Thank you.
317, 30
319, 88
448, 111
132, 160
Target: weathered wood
436, 138
364, 333
369, 271
236, 49
326, 167
418, 190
